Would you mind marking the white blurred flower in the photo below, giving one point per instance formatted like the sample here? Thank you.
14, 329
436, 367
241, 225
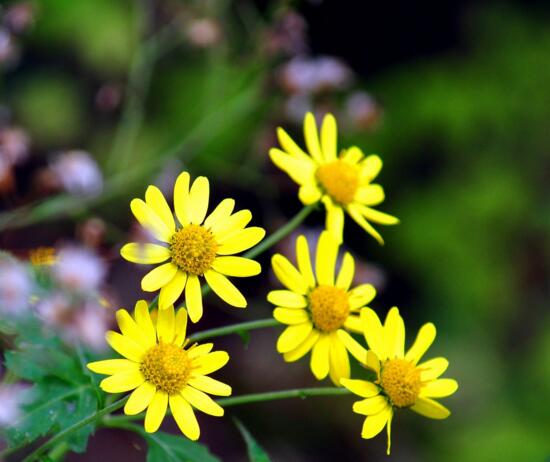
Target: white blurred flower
78, 173
14, 145
12, 397
362, 110
79, 269
204, 32
15, 286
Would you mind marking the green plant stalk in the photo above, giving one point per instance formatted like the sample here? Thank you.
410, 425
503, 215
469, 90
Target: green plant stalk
233, 329
34, 456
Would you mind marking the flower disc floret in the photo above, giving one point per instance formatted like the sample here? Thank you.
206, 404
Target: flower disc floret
167, 367
400, 380
339, 179
193, 249
329, 308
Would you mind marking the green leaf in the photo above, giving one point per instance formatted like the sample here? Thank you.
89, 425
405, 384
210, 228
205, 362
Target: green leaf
164, 447
85, 405
255, 452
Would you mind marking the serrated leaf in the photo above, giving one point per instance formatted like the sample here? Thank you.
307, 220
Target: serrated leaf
255, 452
163, 447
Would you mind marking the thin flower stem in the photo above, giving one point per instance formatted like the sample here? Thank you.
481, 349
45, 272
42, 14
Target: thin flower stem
34, 456
233, 329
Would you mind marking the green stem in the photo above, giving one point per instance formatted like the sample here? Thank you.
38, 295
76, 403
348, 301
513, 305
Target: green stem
34, 456
58, 452
233, 329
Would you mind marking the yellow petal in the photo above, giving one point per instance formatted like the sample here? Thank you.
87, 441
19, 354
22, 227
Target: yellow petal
370, 406
156, 201
166, 325
439, 388
211, 362
130, 329
377, 216
328, 138
430, 408
370, 168
112, 366
292, 336
309, 193
122, 381
198, 200
143, 320
225, 289
193, 298
374, 424
432, 369
361, 295
304, 348
374, 332
125, 346
371, 194
388, 428
361, 387
347, 271
354, 324
181, 198
289, 276
158, 277
338, 360
335, 222
287, 299
241, 240
373, 362
201, 401
236, 266
325, 262
144, 253
290, 316
180, 327
140, 398
352, 155
210, 385
424, 339
172, 291
304, 261
320, 357
300, 170
236, 222
312, 138
150, 220
156, 412
360, 220
185, 417
356, 350
289, 145
197, 351
220, 214
394, 334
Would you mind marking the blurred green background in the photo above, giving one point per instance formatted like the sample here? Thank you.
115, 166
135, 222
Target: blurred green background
456, 100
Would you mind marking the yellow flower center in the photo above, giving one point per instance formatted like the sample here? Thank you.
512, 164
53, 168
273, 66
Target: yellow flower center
329, 308
167, 367
400, 380
193, 249
339, 179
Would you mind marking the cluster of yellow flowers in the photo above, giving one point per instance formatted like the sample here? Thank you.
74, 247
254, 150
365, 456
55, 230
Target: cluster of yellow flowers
318, 304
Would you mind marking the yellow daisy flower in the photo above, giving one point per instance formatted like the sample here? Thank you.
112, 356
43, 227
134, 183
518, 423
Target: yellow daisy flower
317, 307
401, 382
160, 370
342, 182
195, 247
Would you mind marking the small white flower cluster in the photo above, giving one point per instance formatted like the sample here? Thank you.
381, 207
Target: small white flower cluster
15, 287
77, 173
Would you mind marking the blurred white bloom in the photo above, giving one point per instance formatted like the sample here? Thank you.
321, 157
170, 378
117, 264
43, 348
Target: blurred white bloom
90, 326
314, 75
296, 106
14, 145
15, 286
78, 173
362, 110
204, 32
12, 397
79, 269
9, 51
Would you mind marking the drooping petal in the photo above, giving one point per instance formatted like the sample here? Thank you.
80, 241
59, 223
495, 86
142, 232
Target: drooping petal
181, 198
347, 272
374, 424
172, 291
158, 277
225, 289
150, 220
156, 201
236, 266
394, 334
374, 332
361, 387
430, 408
360, 220
320, 357
424, 339
377, 216
325, 262
193, 298
287, 299
210, 385
303, 348
293, 336
309, 193
156, 412
185, 417
241, 240
140, 398
289, 276
147, 254
201, 401
303, 260
199, 195
338, 360
335, 220
439, 388
370, 406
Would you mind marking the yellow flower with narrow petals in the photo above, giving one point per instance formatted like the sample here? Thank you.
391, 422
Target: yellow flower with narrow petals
160, 370
317, 306
401, 382
341, 181
195, 247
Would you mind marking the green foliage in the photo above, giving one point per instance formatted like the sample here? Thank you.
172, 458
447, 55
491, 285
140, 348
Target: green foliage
163, 447
255, 452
